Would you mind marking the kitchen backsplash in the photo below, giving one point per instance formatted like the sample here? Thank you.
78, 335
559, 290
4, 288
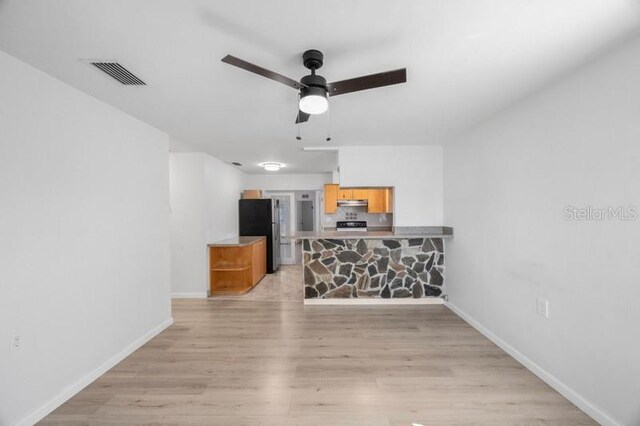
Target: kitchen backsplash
358, 213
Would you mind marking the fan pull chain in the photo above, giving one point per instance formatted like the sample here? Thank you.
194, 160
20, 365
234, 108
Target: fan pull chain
298, 137
328, 126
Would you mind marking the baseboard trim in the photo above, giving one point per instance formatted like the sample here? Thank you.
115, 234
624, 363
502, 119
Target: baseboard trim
575, 398
367, 301
194, 295
70, 391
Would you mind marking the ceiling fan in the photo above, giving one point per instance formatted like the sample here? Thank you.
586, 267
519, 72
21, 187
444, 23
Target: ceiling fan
314, 89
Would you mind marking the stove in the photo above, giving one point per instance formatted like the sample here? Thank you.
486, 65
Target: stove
351, 225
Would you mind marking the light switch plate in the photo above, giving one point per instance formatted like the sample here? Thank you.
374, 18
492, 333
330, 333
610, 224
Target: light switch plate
542, 307
16, 342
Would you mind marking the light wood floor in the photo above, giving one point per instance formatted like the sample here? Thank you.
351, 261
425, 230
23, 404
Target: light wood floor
284, 286
262, 362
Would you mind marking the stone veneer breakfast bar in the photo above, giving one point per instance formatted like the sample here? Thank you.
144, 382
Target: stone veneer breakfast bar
406, 265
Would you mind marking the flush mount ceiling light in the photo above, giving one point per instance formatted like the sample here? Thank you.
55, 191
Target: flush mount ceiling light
271, 166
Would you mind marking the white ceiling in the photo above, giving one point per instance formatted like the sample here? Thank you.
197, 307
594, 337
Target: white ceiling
466, 60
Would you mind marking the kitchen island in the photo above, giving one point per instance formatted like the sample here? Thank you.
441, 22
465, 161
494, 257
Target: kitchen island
406, 265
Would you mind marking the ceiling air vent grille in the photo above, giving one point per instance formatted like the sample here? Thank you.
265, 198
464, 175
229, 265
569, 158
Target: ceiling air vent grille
120, 73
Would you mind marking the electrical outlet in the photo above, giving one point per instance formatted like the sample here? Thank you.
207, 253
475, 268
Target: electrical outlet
15, 343
543, 307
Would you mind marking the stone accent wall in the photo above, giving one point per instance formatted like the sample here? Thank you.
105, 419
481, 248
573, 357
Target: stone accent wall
411, 267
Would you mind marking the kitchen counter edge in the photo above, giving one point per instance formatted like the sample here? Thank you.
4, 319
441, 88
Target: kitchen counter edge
397, 233
236, 242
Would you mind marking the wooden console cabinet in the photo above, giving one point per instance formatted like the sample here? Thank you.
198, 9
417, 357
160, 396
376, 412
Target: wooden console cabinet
236, 265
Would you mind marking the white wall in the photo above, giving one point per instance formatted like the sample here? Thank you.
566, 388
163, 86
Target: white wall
279, 181
204, 209
179, 145
223, 186
506, 186
84, 241
414, 171
188, 235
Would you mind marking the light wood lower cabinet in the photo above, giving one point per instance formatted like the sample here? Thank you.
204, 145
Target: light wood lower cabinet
237, 269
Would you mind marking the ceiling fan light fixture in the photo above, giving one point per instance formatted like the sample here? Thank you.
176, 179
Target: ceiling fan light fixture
314, 90
271, 166
313, 100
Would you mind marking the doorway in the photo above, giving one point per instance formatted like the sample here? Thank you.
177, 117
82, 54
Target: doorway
307, 218
287, 225
298, 212
305, 215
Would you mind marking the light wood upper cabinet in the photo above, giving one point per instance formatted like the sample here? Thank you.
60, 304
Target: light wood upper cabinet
345, 194
388, 202
330, 198
359, 194
377, 201
353, 194
380, 200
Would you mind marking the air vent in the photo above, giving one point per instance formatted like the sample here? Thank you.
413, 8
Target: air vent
120, 73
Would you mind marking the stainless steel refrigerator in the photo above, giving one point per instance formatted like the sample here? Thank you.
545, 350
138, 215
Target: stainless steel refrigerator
258, 217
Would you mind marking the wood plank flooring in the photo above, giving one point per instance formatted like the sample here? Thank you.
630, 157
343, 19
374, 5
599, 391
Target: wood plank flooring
258, 360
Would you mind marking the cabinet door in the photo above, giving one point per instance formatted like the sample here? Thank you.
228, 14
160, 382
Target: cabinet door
345, 194
388, 202
258, 261
360, 194
377, 199
330, 198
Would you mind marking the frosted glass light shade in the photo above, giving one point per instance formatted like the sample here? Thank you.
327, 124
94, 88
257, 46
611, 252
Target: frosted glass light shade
271, 166
314, 104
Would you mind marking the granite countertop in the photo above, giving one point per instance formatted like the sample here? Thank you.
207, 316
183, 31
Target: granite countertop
399, 232
236, 242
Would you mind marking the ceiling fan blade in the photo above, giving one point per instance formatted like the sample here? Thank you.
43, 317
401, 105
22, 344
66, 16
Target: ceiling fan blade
302, 117
232, 60
367, 82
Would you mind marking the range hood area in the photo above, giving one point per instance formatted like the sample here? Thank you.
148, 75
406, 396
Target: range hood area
376, 200
353, 203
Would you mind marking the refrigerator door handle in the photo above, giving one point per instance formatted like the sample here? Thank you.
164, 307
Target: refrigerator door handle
276, 245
